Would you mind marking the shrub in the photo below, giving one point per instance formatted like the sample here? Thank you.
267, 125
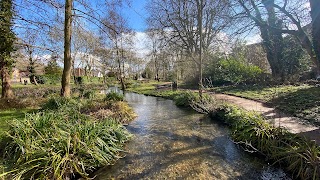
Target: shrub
52, 78
89, 94
100, 109
232, 71
59, 103
191, 99
61, 144
183, 99
78, 80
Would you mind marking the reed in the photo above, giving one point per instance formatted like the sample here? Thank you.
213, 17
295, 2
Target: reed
297, 154
61, 143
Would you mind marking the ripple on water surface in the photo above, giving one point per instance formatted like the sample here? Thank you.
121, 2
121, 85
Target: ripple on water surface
174, 143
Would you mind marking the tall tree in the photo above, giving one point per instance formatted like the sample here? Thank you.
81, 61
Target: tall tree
156, 46
119, 34
315, 15
200, 8
7, 38
290, 18
192, 26
274, 40
272, 37
66, 76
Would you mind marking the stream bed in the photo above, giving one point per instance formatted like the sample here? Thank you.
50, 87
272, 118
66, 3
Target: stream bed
174, 143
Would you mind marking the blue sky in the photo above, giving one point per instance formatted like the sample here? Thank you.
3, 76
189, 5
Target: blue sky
136, 14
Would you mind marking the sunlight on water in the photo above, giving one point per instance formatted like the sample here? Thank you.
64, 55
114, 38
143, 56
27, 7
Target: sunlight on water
174, 143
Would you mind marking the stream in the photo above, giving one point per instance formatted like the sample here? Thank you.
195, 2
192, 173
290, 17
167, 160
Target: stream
174, 143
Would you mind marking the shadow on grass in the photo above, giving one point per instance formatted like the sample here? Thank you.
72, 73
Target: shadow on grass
312, 135
8, 115
252, 92
303, 103
240, 88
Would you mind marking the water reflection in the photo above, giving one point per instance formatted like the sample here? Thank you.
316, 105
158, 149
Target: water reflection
172, 143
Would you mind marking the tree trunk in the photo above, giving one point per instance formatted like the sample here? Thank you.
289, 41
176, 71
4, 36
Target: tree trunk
65, 83
315, 6
200, 14
6, 46
35, 80
273, 41
307, 45
123, 87
7, 92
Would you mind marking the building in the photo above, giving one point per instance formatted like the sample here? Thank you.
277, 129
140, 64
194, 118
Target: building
20, 76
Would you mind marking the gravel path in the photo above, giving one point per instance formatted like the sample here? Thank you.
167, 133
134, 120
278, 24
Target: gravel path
292, 124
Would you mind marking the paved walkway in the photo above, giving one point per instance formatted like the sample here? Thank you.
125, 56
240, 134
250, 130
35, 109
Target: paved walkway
292, 124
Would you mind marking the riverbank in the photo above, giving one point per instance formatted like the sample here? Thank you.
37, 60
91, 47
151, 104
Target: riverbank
293, 152
64, 138
301, 100
178, 143
273, 115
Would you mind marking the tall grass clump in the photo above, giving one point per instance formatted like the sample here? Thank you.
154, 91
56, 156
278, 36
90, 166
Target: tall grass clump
61, 144
183, 99
193, 100
60, 103
297, 154
114, 96
89, 94
188, 98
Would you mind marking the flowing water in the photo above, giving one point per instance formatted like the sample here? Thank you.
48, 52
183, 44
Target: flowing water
174, 143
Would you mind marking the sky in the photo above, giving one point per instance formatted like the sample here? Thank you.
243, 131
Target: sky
136, 15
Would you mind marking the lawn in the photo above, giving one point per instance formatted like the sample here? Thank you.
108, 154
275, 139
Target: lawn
302, 101
7, 115
260, 93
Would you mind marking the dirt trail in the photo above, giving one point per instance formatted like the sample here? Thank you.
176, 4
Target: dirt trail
292, 124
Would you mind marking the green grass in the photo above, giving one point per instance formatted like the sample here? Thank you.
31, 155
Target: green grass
149, 89
8, 115
65, 137
302, 101
91, 80
182, 98
5, 117
260, 93
143, 87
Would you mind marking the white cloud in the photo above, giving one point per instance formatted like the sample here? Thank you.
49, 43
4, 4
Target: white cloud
82, 59
307, 5
140, 46
254, 39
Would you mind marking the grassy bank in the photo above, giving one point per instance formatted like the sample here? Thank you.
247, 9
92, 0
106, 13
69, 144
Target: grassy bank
182, 98
302, 101
291, 152
64, 138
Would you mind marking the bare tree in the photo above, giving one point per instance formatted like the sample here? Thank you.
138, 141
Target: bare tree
30, 48
118, 31
190, 25
284, 17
